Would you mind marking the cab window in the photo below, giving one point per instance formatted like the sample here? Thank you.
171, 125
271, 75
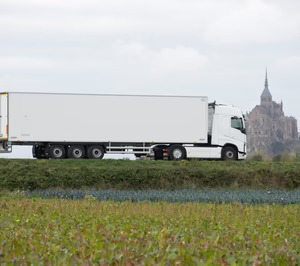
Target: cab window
237, 123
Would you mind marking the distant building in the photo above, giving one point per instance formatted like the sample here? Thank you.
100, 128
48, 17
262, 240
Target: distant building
268, 130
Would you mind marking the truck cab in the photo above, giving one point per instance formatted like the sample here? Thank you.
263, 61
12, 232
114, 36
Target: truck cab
229, 131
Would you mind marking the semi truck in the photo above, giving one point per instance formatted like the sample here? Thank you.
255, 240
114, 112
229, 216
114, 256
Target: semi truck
60, 126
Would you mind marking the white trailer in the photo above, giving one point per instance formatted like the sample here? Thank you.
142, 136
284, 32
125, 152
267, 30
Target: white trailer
88, 126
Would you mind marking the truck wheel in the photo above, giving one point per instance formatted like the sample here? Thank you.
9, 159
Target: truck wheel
177, 152
229, 154
76, 152
57, 152
95, 152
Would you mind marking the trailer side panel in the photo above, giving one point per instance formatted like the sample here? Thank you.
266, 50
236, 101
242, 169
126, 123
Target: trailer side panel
107, 118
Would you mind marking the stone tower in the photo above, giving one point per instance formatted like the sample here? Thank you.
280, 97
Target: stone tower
266, 97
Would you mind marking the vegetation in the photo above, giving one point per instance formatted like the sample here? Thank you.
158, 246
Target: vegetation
36, 231
207, 196
144, 175
261, 156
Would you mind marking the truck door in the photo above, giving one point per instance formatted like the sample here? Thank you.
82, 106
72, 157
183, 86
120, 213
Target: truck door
237, 131
3, 117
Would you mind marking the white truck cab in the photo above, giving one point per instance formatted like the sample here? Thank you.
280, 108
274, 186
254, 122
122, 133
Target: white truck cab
229, 130
226, 135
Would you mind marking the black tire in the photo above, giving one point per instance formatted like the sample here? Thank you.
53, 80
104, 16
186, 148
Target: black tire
95, 152
57, 152
229, 154
76, 152
177, 152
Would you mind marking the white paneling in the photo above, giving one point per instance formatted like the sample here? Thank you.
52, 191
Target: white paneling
203, 152
101, 118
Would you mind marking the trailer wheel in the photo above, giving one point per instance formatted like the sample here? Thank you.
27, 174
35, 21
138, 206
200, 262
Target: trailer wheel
57, 152
229, 154
76, 152
95, 152
177, 152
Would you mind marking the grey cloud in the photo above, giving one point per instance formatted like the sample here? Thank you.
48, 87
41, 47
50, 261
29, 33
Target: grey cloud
217, 48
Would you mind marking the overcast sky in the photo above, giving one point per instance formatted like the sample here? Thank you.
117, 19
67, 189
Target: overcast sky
214, 48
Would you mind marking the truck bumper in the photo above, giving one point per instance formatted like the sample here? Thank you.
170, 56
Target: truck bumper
242, 156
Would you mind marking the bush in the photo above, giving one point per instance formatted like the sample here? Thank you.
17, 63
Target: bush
144, 175
297, 158
256, 158
276, 158
287, 157
259, 156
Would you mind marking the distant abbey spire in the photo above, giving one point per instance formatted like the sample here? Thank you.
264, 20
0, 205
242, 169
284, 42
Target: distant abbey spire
266, 80
266, 97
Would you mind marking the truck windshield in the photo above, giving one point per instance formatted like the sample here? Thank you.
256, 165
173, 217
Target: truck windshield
237, 123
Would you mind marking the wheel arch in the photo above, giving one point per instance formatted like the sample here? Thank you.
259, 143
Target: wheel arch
230, 145
97, 144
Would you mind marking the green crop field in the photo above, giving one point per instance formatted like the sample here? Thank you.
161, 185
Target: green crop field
149, 212
51, 231
182, 196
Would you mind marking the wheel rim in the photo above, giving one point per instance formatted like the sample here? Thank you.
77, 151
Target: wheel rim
177, 153
230, 154
96, 153
57, 152
77, 153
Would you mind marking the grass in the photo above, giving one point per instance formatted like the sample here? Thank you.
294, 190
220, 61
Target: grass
38, 231
145, 175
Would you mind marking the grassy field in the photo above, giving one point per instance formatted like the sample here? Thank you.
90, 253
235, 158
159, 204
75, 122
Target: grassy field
37, 231
144, 175
119, 212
